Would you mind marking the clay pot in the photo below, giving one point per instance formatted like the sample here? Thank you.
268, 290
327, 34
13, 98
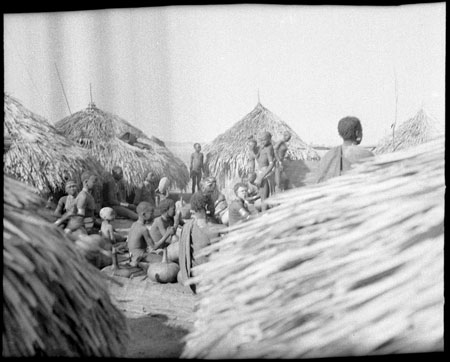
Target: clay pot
173, 251
163, 272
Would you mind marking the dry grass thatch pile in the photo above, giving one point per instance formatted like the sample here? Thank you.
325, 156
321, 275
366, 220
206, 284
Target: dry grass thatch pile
226, 155
100, 133
353, 266
37, 154
417, 130
54, 302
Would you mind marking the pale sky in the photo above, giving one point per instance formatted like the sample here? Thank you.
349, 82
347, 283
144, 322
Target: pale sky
188, 73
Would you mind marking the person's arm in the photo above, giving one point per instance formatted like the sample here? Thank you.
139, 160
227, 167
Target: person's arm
275, 149
192, 162
202, 164
81, 205
151, 243
66, 215
110, 233
59, 208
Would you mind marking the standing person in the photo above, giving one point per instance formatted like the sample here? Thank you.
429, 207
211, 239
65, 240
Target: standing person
66, 204
114, 195
82, 221
238, 210
280, 148
146, 190
252, 148
339, 159
196, 167
265, 162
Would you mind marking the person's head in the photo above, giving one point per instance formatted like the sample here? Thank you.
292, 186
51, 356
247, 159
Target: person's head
197, 147
145, 211
350, 129
167, 206
286, 136
199, 203
88, 179
251, 143
150, 177
163, 186
117, 173
107, 213
251, 177
240, 190
71, 187
265, 138
208, 185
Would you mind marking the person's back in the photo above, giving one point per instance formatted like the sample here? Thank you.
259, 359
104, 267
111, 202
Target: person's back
339, 159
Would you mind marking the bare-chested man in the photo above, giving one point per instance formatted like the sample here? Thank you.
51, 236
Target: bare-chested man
281, 148
265, 162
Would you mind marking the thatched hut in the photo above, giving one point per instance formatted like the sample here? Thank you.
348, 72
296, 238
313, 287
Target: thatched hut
419, 129
35, 153
226, 155
114, 141
54, 302
353, 266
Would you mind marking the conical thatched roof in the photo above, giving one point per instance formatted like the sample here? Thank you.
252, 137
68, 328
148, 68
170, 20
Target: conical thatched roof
37, 154
226, 155
419, 129
353, 266
102, 134
54, 302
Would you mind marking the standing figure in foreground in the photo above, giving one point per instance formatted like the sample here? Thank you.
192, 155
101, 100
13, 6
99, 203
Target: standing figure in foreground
265, 162
196, 167
280, 149
114, 195
339, 159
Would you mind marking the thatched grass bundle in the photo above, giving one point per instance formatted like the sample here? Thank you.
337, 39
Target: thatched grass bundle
353, 266
37, 154
99, 132
417, 130
54, 302
226, 156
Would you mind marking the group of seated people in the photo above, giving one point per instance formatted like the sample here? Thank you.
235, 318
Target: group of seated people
158, 221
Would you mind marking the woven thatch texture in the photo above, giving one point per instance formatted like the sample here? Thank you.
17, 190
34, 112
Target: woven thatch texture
353, 266
55, 302
38, 155
419, 129
99, 132
226, 156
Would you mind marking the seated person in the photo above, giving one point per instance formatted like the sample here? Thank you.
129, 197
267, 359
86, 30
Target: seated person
207, 187
238, 210
114, 195
162, 191
253, 194
140, 243
82, 219
168, 220
65, 207
196, 234
146, 190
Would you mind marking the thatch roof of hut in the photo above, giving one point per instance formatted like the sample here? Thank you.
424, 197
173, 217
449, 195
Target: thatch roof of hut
35, 153
54, 302
226, 155
114, 141
353, 266
419, 129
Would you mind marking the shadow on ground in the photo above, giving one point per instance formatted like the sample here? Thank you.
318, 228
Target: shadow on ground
152, 337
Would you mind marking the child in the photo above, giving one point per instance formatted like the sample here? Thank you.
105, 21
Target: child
169, 220
140, 243
107, 214
196, 167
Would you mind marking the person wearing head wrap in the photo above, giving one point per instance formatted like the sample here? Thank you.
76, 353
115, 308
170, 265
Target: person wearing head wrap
339, 159
66, 204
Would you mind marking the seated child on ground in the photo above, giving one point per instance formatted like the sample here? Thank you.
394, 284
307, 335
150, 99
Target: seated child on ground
140, 243
65, 207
